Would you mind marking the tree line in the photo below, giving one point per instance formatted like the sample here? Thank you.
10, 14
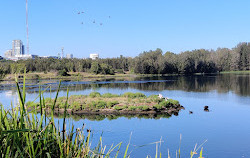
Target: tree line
148, 62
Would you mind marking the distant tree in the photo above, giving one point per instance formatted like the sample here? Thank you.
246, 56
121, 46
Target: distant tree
95, 68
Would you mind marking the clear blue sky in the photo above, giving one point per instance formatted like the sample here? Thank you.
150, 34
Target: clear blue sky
134, 26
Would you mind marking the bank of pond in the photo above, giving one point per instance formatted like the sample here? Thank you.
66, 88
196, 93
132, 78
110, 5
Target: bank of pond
111, 104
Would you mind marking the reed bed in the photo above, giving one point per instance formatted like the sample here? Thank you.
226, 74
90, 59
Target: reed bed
24, 134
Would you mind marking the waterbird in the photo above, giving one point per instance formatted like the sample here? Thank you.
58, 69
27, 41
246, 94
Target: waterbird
160, 96
206, 108
190, 112
88, 130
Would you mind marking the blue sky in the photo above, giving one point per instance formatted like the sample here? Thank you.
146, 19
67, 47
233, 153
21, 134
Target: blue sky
134, 26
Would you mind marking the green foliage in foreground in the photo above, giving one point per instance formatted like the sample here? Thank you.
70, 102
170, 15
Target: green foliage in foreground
23, 134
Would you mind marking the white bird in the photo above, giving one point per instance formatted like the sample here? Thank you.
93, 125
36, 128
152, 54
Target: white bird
160, 96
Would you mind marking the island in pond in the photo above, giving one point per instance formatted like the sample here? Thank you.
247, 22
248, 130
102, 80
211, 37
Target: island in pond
96, 103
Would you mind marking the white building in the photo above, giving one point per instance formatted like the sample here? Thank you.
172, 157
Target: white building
26, 56
17, 52
94, 56
8, 54
69, 56
17, 47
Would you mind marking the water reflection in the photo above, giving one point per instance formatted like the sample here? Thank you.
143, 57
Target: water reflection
95, 117
237, 83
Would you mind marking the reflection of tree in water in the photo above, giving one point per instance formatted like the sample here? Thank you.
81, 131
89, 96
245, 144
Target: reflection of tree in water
93, 117
237, 83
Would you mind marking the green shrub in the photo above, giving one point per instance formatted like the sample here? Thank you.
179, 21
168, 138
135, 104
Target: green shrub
140, 95
92, 105
120, 107
133, 95
63, 73
112, 103
31, 104
120, 71
101, 104
164, 103
76, 106
158, 107
109, 95
143, 107
132, 108
94, 94
98, 104
153, 96
173, 102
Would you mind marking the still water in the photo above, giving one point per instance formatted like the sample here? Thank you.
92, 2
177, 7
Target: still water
226, 127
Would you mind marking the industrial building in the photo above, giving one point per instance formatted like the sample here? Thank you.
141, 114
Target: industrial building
94, 56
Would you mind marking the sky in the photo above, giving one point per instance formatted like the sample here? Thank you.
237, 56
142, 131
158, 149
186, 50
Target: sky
128, 28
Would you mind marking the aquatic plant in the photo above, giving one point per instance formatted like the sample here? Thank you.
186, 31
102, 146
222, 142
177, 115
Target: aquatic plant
94, 94
133, 95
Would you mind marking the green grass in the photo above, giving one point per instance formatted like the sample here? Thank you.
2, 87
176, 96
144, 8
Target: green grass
24, 134
96, 101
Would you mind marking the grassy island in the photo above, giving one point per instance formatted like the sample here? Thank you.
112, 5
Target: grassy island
127, 103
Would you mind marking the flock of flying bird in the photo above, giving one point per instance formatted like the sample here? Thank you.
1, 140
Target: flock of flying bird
94, 22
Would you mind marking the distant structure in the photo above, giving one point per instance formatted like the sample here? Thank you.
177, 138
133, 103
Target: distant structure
8, 54
53, 57
62, 53
17, 47
69, 56
94, 56
17, 52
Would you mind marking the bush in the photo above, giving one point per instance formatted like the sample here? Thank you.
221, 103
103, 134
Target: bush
120, 107
63, 73
76, 106
133, 95
98, 104
173, 102
132, 108
94, 94
158, 107
109, 95
143, 107
164, 103
120, 71
112, 103
101, 104
31, 104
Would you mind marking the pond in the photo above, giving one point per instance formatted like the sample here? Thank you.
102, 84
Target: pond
225, 127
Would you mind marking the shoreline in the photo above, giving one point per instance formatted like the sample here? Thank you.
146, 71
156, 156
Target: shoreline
83, 76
